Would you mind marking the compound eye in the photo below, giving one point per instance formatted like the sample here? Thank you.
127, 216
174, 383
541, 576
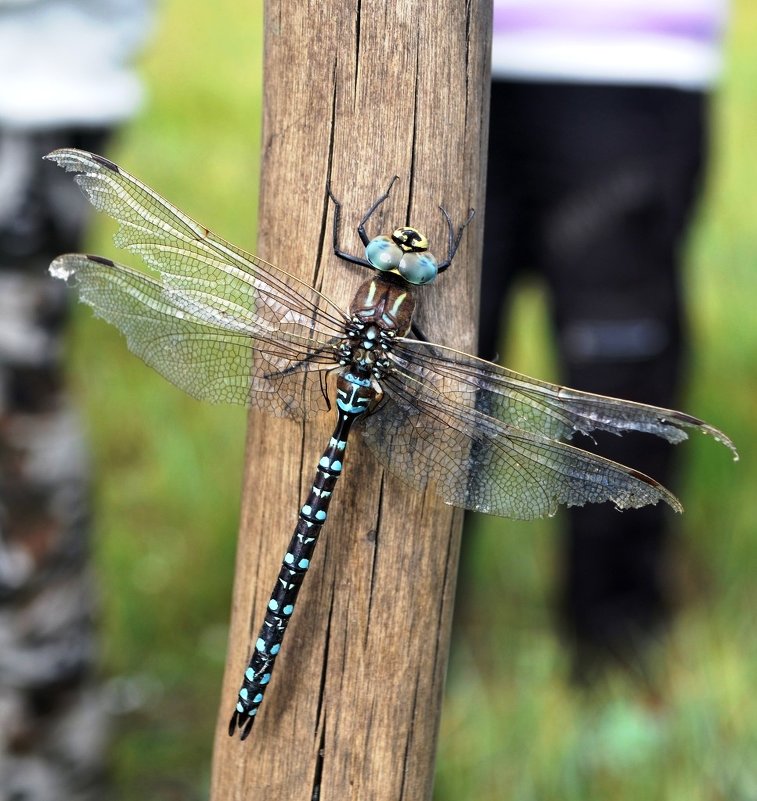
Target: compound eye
418, 268
411, 240
383, 253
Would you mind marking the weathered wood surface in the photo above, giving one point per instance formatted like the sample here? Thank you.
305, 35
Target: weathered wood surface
354, 94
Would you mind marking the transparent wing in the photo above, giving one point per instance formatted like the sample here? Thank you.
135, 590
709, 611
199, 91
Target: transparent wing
480, 463
534, 406
214, 302
211, 357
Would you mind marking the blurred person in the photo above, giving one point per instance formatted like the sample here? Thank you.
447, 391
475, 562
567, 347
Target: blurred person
598, 140
66, 83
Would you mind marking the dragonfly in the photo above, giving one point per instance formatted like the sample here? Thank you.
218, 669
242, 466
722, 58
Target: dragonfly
228, 327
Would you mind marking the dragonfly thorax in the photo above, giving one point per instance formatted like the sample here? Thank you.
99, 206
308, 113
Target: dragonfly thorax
365, 348
383, 304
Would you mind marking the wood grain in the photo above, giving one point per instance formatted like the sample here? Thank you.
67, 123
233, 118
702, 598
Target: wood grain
354, 94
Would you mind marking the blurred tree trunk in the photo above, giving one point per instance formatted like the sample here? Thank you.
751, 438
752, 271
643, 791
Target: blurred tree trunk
354, 94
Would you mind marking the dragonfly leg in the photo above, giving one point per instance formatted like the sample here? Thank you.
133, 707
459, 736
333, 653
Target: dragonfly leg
453, 241
368, 214
418, 333
361, 227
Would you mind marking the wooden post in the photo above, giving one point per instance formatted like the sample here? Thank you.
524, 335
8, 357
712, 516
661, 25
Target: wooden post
354, 94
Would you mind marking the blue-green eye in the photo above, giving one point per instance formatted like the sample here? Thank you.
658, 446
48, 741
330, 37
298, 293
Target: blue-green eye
418, 268
383, 253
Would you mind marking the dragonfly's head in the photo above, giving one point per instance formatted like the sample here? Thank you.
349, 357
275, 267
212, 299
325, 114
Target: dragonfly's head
405, 252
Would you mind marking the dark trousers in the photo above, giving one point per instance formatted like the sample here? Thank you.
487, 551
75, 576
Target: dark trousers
592, 188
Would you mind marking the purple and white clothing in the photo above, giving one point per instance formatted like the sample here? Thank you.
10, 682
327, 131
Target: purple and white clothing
670, 43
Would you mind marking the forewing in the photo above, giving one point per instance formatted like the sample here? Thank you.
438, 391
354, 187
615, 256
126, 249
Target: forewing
534, 406
195, 262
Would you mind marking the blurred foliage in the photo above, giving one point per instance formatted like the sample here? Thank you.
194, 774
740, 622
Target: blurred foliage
169, 474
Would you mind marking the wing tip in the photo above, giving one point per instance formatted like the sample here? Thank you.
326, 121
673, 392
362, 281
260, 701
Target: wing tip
65, 156
56, 155
662, 492
62, 268
65, 267
74, 160
681, 418
722, 438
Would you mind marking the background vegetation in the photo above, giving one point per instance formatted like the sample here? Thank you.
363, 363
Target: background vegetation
169, 473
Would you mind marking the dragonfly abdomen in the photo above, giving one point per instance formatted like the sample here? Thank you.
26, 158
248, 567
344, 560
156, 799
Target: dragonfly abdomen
354, 396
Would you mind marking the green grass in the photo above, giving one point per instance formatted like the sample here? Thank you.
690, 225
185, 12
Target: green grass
168, 474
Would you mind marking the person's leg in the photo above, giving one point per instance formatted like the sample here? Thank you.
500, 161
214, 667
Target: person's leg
628, 169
